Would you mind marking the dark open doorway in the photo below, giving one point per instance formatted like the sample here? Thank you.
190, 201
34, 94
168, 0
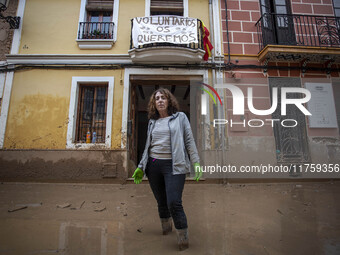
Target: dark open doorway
142, 87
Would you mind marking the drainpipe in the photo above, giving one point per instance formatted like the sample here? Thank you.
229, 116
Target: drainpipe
221, 113
215, 76
213, 72
226, 23
211, 25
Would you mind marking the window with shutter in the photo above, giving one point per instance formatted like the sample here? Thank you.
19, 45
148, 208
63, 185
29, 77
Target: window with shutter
99, 5
99, 18
164, 7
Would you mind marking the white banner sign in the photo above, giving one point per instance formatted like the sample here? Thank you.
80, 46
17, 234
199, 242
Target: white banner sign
164, 29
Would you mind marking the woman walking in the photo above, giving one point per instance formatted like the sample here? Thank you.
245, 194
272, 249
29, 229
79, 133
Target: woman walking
166, 162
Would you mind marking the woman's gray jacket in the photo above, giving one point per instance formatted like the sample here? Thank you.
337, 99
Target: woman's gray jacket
181, 143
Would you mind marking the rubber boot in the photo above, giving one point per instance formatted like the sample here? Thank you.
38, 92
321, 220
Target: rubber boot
182, 239
166, 225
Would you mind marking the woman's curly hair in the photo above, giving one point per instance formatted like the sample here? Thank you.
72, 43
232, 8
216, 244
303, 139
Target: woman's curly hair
173, 105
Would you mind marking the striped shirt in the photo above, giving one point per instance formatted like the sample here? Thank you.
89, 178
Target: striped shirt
160, 139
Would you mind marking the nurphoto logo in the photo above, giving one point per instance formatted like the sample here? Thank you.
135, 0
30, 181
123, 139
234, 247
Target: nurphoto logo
239, 103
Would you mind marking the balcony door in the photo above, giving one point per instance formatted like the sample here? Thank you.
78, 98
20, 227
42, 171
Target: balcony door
277, 22
99, 24
99, 19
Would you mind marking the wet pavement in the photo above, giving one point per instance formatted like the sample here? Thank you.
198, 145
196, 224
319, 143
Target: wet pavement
224, 219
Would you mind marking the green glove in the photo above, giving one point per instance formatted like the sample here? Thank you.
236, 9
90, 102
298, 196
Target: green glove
138, 175
198, 171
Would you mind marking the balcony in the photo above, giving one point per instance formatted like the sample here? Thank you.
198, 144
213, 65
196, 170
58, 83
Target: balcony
166, 39
284, 37
95, 35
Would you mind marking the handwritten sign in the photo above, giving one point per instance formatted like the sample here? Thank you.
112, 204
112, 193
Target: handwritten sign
321, 106
164, 29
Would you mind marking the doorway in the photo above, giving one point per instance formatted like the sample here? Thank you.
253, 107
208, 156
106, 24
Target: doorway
141, 89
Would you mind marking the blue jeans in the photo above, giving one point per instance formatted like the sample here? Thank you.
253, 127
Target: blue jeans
167, 189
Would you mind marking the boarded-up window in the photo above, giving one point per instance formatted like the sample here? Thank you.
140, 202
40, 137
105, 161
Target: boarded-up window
91, 119
164, 7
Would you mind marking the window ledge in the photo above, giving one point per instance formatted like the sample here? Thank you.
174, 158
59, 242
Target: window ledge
88, 146
169, 54
277, 53
95, 44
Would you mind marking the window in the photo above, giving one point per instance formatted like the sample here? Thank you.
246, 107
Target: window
277, 22
280, 7
336, 4
171, 7
90, 111
164, 7
99, 19
98, 22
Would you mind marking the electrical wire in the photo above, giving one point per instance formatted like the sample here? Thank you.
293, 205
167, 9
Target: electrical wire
210, 65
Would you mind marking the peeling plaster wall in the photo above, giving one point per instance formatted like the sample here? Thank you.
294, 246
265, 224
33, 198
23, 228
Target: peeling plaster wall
39, 108
55, 29
260, 151
325, 150
256, 151
35, 138
61, 165
243, 151
251, 150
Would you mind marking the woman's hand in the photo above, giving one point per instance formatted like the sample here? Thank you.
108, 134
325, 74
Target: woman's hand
198, 171
138, 175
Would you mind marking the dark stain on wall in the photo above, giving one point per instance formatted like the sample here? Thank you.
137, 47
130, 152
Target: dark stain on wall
62, 165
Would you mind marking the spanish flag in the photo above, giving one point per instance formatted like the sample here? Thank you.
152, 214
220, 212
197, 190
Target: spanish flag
206, 42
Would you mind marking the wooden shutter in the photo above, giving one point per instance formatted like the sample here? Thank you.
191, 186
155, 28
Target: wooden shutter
99, 5
173, 5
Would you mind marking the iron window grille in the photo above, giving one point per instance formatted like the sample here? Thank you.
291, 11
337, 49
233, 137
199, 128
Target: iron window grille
92, 108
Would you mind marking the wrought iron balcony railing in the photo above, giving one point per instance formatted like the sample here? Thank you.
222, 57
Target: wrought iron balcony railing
198, 45
95, 30
299, 30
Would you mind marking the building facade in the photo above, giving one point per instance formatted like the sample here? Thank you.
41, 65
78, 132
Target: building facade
274, 45
79, 76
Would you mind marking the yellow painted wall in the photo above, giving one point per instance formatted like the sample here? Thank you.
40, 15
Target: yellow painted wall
39, 107
127, 11
51, 27
40, 99
199, 9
